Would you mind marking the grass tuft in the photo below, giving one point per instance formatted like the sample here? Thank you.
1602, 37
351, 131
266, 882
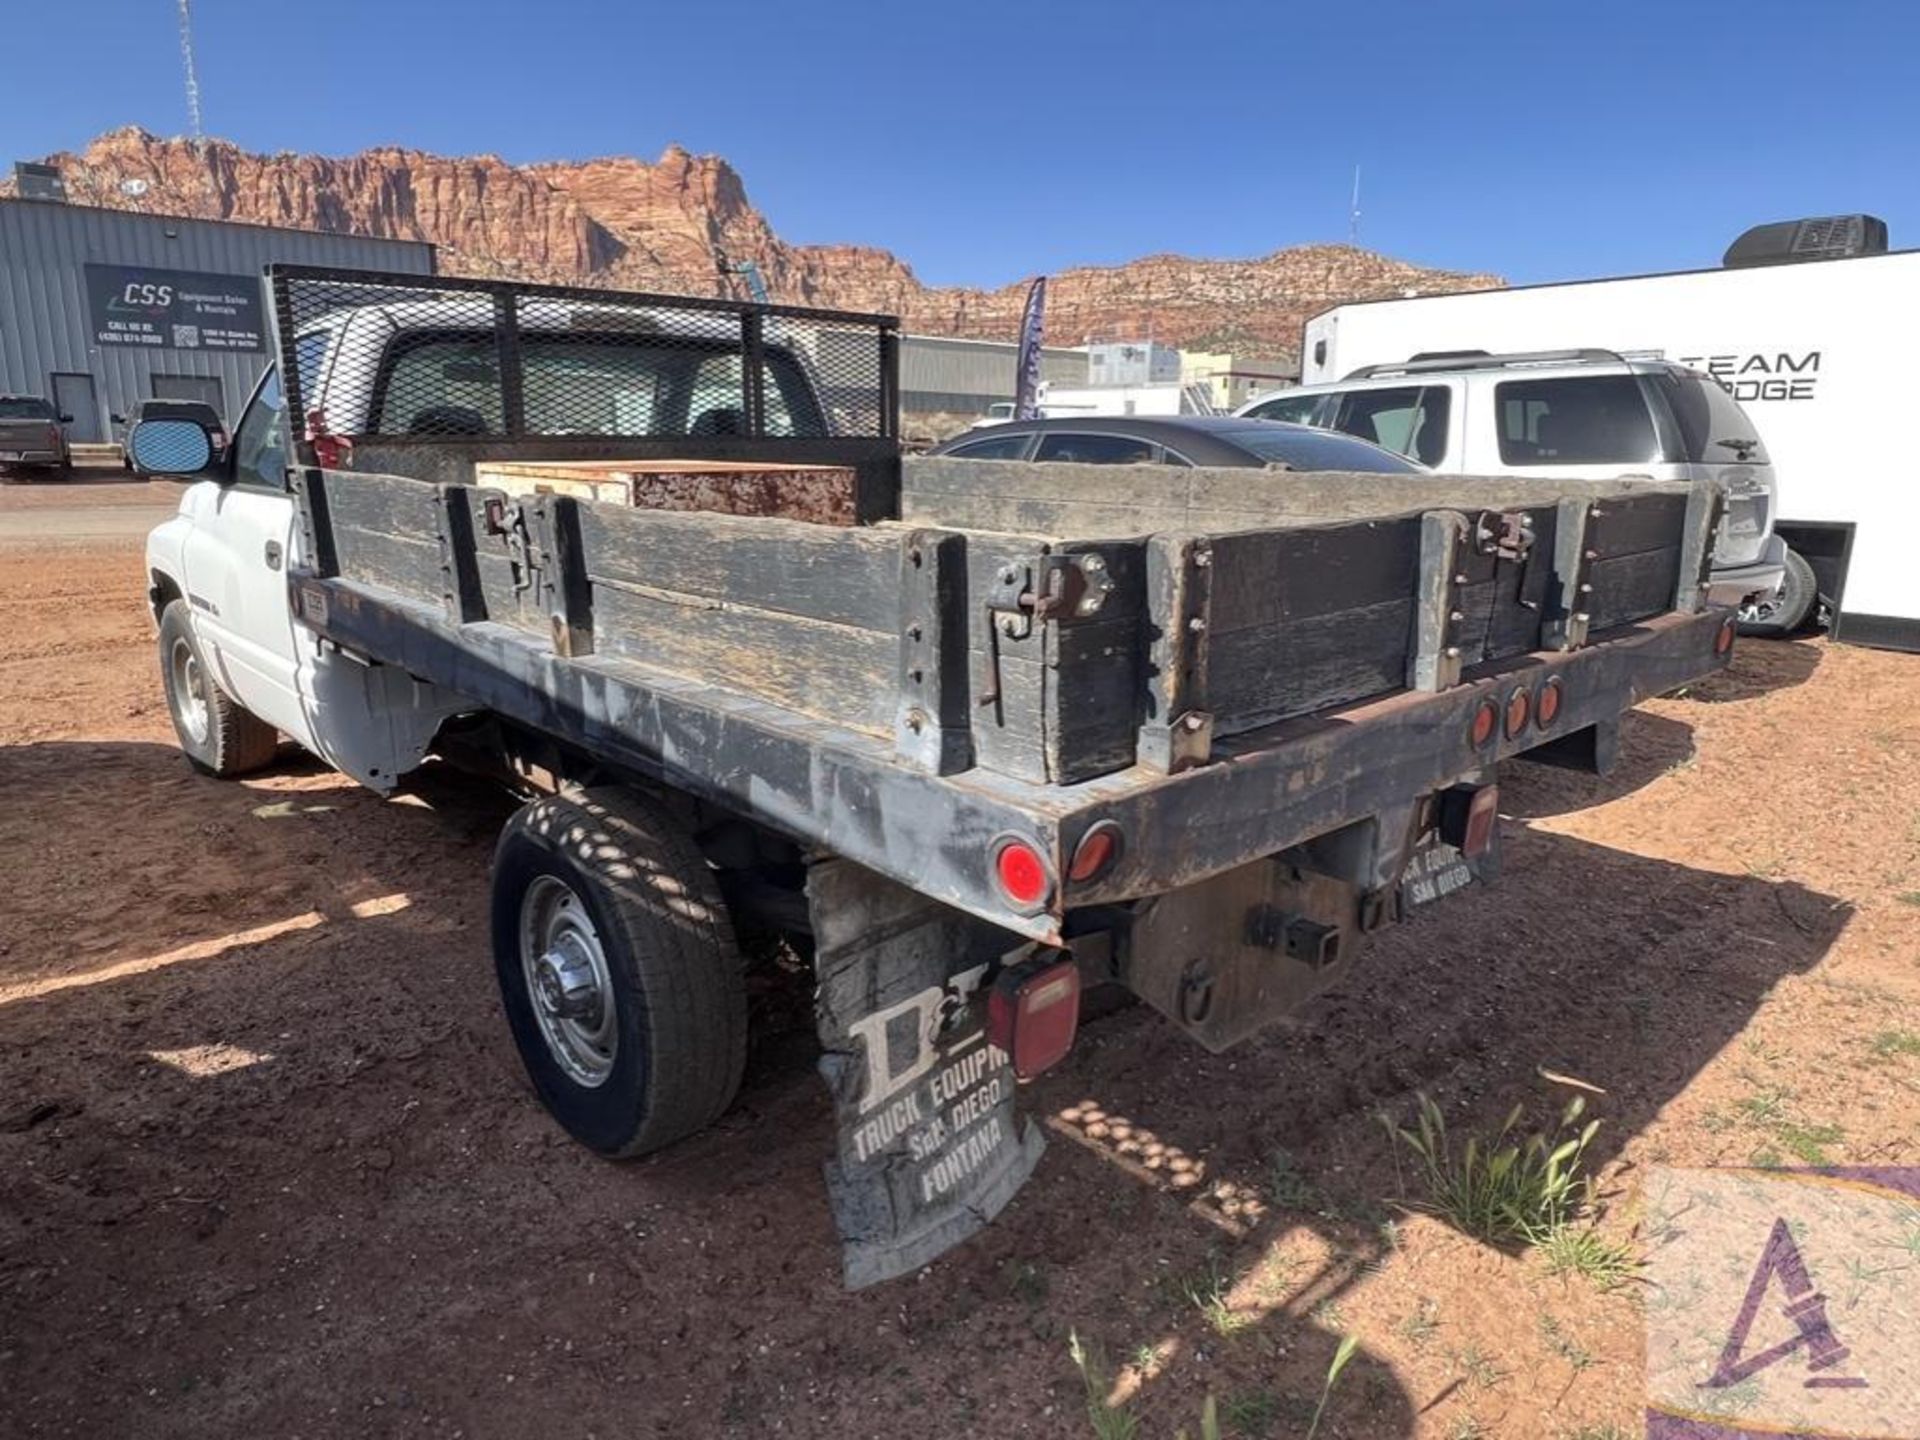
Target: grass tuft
1208, 1293
1574, 1249
1109, 1421
1512, 1188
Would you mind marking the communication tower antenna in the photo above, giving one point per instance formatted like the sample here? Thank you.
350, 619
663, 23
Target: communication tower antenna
1353, 209
193, 77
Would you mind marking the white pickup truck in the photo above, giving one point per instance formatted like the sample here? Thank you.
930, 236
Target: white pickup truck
989, 731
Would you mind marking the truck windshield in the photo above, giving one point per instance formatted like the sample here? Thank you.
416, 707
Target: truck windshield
17, 409
1713, 428
449, 384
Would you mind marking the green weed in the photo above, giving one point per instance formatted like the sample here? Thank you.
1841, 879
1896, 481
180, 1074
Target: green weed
1574, 1249
1508, 1189
1110, 1422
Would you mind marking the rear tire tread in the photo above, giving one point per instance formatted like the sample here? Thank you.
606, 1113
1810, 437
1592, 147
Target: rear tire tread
685, 968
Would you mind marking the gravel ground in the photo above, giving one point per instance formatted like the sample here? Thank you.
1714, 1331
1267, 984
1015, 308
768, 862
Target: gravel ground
268, 1167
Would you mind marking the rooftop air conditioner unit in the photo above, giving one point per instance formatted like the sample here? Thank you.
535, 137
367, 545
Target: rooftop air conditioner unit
1830, 237
32, 181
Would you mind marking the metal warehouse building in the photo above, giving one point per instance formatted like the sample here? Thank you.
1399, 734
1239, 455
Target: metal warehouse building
102, 308
963, 377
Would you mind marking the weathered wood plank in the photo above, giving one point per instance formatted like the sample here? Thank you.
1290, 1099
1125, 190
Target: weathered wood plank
838, 672
1267, 673
384, 504
846, 577
407, 565
1633, 587
1263, 576
1630, 524
1057, 499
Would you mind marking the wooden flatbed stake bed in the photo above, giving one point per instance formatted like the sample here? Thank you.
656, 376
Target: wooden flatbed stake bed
975, 732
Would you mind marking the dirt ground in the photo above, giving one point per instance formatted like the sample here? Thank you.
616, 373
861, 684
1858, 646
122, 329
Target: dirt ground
268, 1166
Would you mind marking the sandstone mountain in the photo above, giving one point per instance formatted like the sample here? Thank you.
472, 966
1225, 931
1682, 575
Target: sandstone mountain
679, 224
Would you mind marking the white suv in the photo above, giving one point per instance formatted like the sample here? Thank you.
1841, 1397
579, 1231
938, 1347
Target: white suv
1570, 414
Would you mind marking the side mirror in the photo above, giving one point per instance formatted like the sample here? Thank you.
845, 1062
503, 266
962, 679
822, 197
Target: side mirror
66, 419
170, 447
118, 419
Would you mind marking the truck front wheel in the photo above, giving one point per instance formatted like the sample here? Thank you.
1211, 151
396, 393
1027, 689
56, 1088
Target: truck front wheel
217, 735
619, 971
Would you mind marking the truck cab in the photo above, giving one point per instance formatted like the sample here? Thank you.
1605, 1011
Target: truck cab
1566, 415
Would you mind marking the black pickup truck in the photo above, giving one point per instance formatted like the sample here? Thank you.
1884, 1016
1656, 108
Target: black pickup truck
970, 735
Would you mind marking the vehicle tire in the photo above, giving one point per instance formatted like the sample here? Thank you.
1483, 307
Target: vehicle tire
622, 980
1786, 611
217, 735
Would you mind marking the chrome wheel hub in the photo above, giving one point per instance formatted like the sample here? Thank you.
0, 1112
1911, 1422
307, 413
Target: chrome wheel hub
568, 981
188, 687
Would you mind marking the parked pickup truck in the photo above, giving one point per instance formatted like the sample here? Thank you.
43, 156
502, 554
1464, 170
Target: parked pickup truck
971, 734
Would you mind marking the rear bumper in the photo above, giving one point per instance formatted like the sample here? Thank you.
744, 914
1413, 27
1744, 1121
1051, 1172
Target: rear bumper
31, 457
1738, 583
1302, 778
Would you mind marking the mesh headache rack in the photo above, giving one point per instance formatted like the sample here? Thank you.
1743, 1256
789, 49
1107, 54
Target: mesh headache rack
437, 361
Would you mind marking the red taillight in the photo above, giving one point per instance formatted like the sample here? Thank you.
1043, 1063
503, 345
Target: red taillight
1546, 704
1467, 818
1022, 873
1095, 853
53, 436
1723, 637
1485, 718
1519, 707
1033, 1013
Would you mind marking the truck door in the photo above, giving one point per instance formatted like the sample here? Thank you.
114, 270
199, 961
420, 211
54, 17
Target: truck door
236, 559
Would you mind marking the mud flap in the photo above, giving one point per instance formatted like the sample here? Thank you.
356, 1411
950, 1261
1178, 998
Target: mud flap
930, 1147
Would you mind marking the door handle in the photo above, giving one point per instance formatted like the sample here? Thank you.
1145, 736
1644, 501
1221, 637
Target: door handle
273, 554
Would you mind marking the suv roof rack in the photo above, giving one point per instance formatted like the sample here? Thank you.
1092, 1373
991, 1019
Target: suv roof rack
1428, 361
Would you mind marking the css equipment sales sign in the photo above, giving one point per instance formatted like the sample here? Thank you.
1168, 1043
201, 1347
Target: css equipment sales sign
174, 309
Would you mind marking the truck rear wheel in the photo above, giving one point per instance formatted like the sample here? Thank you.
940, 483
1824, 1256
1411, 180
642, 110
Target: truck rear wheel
619, 971
1780, 614
217, 735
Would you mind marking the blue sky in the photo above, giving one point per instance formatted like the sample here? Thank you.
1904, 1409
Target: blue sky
989, 141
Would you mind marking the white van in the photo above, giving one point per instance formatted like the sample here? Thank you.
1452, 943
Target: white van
1803, 324
1580, 415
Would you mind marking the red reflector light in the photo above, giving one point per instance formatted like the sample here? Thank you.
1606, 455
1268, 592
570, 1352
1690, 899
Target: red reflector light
1095, 853
1519, 707
1484, 719
1723, 637
1033, 1013
1022, 874
1546, 704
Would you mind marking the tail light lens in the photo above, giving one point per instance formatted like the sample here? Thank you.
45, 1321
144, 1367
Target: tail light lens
1022, 874
53, 436
1095, 853
1546, 703
1486, 718
1519, 708
1723, 637
1467, 817
1033, 1013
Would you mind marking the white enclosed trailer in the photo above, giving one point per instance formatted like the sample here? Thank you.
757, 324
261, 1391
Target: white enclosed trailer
1818, 352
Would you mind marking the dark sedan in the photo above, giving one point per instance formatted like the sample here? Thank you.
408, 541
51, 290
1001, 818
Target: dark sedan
1176, 440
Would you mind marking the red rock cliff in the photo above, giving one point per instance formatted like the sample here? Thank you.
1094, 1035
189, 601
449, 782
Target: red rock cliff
679, 222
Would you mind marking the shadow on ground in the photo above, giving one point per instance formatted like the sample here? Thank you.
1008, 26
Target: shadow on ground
268, 1176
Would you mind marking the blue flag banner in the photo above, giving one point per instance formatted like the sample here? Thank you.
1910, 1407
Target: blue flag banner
1033, 330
